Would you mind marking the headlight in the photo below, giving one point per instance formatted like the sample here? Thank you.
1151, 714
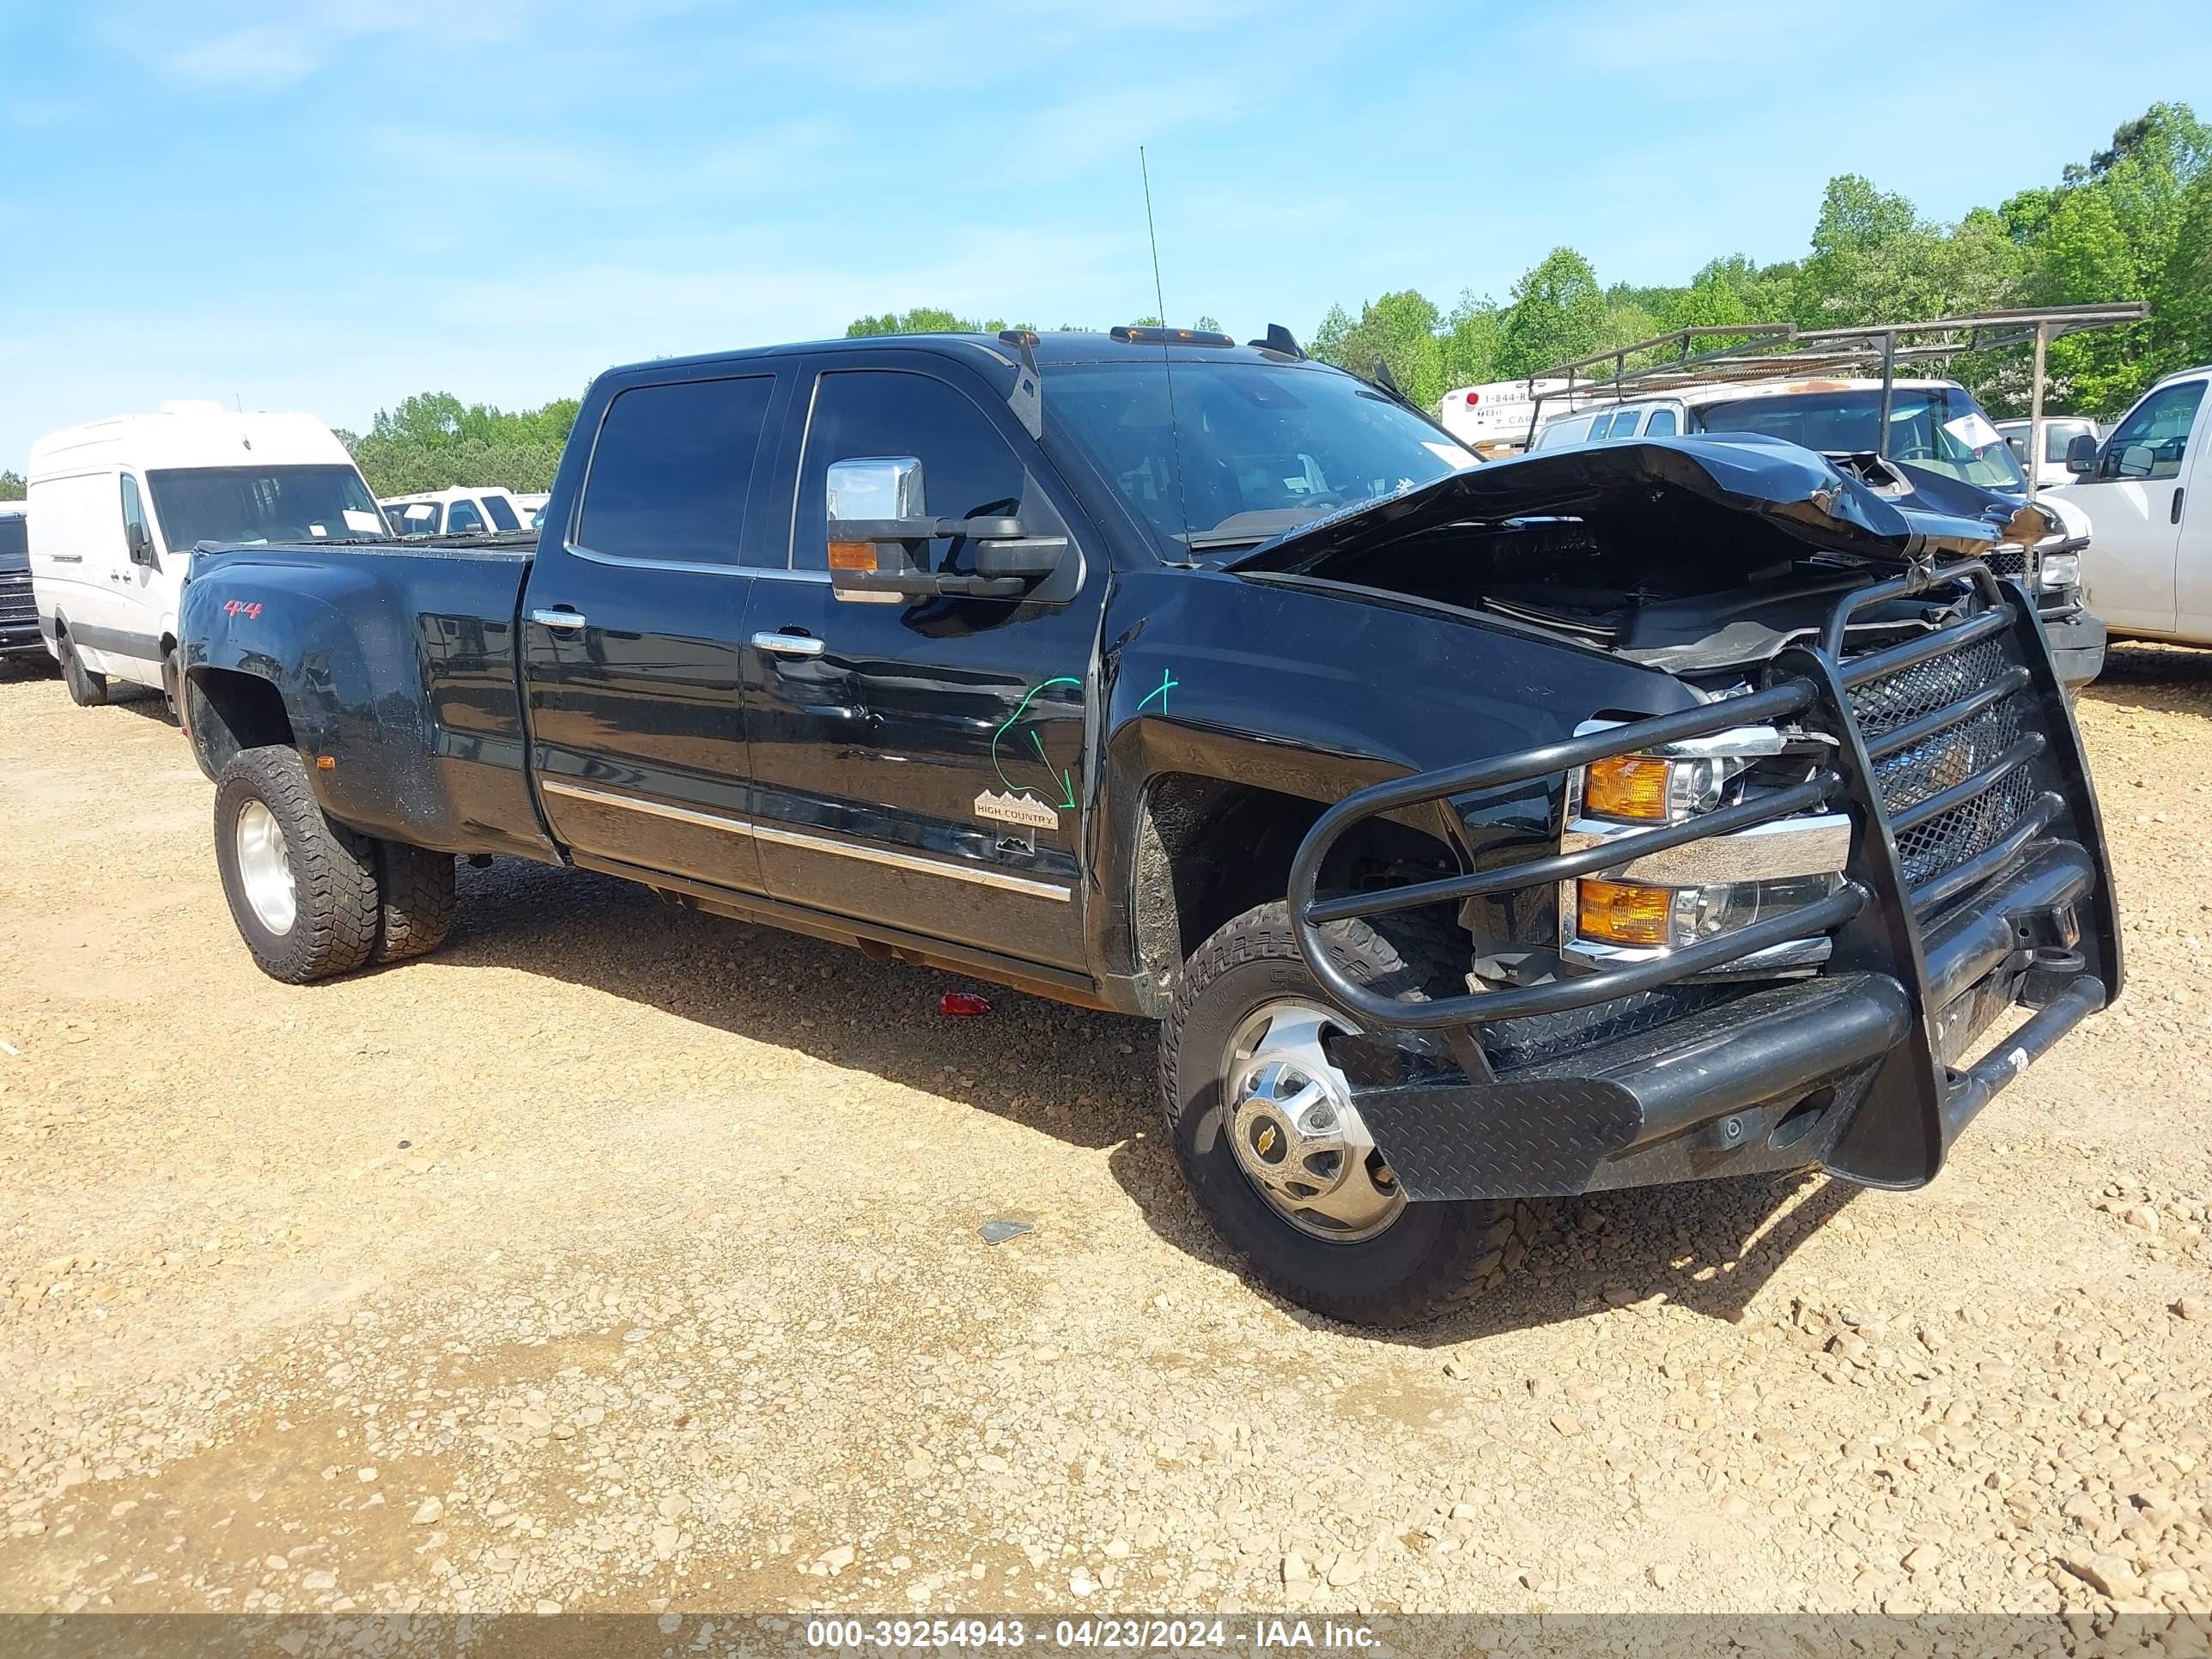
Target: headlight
2059, 570
1667, 918
1680, 896
1650, 789
1667, 785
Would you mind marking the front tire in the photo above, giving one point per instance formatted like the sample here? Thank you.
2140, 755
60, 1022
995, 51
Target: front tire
1387, 1265
86, 688
302, 890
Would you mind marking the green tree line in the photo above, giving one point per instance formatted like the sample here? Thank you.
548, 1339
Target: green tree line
433, 442
2132, 221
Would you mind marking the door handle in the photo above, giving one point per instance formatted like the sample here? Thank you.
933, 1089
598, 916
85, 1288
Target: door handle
563, 620
2174, 517
788, 645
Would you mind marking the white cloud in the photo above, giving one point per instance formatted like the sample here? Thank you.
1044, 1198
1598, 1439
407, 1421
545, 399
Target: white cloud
1109, 122
262, 55
782, 282
34, 111
269, 45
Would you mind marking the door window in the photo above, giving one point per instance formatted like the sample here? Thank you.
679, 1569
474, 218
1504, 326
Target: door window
502, 514
463, 519
2149, 444
672, 470
134, 513
1660, 425
967, 469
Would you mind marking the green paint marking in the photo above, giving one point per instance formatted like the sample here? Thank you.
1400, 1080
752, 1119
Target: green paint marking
1067, 785
1168, 682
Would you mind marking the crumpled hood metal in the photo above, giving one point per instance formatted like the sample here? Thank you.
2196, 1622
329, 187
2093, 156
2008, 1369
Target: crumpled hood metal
1757, 487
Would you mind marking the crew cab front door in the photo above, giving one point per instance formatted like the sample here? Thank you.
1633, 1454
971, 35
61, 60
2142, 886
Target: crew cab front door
2137, 501
631, 633
2192, 546
920, 763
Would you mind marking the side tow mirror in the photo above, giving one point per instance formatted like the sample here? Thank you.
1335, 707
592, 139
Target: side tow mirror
879, 532
2081, 455
140, 541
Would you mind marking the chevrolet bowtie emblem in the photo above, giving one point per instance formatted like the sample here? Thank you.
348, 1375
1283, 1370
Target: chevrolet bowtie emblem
1267, 1140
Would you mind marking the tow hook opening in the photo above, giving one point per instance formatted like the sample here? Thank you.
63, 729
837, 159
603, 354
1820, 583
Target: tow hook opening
1802, 1119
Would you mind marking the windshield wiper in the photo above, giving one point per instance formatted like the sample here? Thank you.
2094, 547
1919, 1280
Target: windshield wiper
1207, 541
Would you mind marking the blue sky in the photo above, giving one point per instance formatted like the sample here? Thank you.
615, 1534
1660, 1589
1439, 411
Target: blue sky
328, 204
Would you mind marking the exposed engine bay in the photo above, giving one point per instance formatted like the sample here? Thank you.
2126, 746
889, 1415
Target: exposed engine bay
1689, 616
1692, 559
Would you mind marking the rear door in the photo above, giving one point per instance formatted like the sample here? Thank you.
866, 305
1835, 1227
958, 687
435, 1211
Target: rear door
630, 631
922, 764
2134, 501
95, 611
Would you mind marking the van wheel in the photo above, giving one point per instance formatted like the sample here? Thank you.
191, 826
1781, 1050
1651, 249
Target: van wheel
87, 690
417, 888
1262, 1123
302, 890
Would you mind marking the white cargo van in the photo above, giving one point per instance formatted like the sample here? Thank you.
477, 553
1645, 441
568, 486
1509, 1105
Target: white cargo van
116, 505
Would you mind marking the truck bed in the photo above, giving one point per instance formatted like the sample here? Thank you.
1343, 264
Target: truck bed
397, 656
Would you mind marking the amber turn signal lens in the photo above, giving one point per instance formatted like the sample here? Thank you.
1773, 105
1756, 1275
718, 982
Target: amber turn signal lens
1626, 786
1623, 911
852, 556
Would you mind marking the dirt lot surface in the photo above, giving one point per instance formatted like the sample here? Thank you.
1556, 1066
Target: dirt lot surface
620, 1257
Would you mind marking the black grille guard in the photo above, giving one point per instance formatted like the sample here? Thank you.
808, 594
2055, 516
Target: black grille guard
2031, 914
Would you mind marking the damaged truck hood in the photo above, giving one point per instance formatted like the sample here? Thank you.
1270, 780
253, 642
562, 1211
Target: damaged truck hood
1761, 495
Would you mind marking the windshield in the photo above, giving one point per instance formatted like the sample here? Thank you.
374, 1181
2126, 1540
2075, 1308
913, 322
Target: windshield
1938, 427
14, 541
266, 504
501, 512
2057, 434
1262, 450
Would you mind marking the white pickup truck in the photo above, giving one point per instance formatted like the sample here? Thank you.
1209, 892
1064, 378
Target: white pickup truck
462, 511
2148, 571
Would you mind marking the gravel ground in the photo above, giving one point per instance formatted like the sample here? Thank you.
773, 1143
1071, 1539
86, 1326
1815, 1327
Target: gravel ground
617, 1257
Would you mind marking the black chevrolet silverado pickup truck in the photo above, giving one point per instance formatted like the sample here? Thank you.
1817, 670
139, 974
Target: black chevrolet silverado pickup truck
1638, 813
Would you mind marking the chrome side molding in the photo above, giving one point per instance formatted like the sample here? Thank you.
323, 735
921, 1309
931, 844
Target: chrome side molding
1003, 881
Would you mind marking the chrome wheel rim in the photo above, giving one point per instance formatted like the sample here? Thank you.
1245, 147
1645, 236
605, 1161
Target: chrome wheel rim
1294, 1132
264, 869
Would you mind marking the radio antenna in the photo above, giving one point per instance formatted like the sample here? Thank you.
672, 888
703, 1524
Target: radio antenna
1167, 359
1152, 235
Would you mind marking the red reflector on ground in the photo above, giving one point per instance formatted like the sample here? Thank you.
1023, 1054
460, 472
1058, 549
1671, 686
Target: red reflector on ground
962, 1003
